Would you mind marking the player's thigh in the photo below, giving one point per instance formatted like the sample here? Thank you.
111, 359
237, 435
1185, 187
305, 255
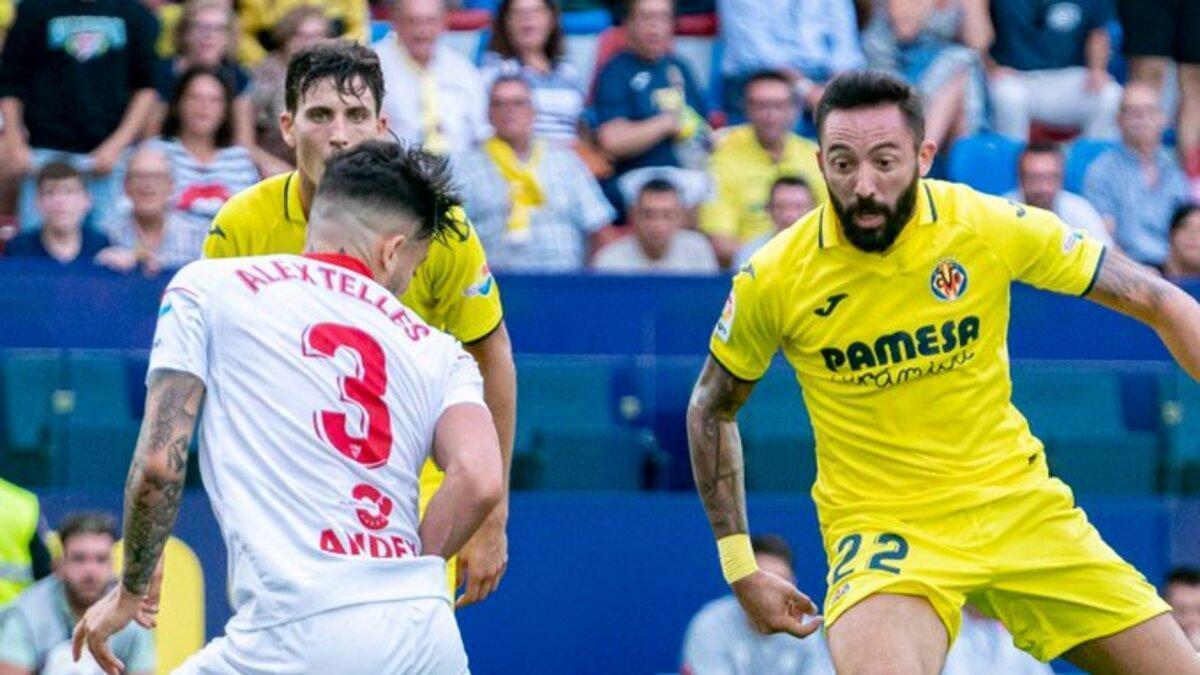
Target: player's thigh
913, 565
1055, 583
889, 633
1156, 645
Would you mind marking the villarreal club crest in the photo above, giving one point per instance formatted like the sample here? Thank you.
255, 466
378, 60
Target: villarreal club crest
949, 280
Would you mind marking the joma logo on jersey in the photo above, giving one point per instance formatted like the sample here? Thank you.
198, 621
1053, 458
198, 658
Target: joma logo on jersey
901, 346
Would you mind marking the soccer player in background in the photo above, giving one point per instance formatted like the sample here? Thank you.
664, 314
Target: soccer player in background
333, 95
320, 396
891, 303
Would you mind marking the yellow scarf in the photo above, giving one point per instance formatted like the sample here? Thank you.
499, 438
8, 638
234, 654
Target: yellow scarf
432, 139
525, 191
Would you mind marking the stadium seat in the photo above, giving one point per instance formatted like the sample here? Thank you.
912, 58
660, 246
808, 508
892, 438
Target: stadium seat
1079, 157
180, 631
1077, 413
986, 162
1182, 421
586, 22
780, 451
563, 396
29, 381
698, 52
99, 385
618, 458
91, 455
379, 29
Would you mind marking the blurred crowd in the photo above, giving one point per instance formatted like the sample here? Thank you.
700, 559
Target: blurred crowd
128, 123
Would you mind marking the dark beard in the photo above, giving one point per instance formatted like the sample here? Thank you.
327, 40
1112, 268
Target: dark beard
894, 220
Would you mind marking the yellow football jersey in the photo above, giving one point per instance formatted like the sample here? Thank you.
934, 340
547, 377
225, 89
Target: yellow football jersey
453, 290
902, 356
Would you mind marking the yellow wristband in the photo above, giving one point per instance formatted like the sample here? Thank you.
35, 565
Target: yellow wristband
737, 557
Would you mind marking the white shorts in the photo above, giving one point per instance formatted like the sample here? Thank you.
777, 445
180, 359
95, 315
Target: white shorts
417, 637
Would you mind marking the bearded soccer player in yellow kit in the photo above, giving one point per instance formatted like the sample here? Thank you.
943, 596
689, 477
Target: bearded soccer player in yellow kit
891, 303
334, 91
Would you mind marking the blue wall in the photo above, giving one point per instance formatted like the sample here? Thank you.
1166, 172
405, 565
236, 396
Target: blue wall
607, 583
46, 306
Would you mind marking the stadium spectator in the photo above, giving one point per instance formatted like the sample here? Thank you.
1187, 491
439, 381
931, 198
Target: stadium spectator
985, 646
24, 557
149, 233
1183, 260
810, 40
937, 46
528, 40
790, 198
6, 18
721, 640
1157, 33
63, 202
1183, 594
1138, 185
76, 82
197, 137
205, 36
1049, 64
648, 108
749, 158
659, 242
534, 204
259, 21
433, 96
297, 29
1040, 172
35, 631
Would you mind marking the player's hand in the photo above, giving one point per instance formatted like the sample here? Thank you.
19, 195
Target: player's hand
775, 606
147, 616
484, 559
105, 618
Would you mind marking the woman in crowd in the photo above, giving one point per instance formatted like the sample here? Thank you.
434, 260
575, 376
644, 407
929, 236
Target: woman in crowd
527, 40
297, 29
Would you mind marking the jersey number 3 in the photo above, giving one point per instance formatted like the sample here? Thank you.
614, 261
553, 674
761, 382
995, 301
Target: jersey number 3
365, 389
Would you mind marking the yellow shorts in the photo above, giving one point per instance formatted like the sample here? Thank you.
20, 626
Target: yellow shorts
431, 480
1030, 559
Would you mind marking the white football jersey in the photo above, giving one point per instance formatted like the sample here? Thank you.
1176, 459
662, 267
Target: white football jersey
322, 394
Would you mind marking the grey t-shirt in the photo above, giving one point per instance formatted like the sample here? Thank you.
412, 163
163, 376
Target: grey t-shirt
720, 641
35, 634
688, 253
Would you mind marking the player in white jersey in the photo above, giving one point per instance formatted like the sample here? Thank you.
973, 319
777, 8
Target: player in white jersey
319, 397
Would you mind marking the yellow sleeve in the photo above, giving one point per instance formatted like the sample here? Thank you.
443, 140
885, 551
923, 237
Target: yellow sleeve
454, 290
221, 241
747, 335
719, 215
1042, 250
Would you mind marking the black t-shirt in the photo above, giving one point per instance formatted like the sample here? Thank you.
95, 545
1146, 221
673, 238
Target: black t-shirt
1045, 34
75, 64
29, 245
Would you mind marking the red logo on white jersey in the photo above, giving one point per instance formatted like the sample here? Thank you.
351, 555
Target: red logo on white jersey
372, 518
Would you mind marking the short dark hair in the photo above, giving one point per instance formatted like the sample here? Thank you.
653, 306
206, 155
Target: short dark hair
389, 176
56, 170
509, 78
1041, 148
173, 124
659, 186
628, 6
343, 61
1188, 576
500, 44
868, 88
86, 522
767, 75
289, 24
772, 544
787, 181
1181, 214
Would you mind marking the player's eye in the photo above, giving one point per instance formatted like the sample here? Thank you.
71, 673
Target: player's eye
841, 165
318, 115
886, 163
357, 115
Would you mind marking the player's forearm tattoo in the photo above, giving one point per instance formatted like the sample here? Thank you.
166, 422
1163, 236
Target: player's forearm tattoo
1130, 288
154, 488
716, 447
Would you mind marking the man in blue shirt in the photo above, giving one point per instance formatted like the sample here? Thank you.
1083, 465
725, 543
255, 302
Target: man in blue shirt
63, 202
1049, 64
647, 105
1138, 185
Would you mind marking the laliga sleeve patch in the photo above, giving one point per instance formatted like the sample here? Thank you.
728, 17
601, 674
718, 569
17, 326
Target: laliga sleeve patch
725, 323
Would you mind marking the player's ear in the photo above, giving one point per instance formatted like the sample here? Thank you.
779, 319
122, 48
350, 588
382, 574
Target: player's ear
381, 123
925, 154
285, 128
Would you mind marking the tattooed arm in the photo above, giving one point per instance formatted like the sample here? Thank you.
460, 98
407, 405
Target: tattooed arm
772, 603
1129, 288
716, 447
153, 493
